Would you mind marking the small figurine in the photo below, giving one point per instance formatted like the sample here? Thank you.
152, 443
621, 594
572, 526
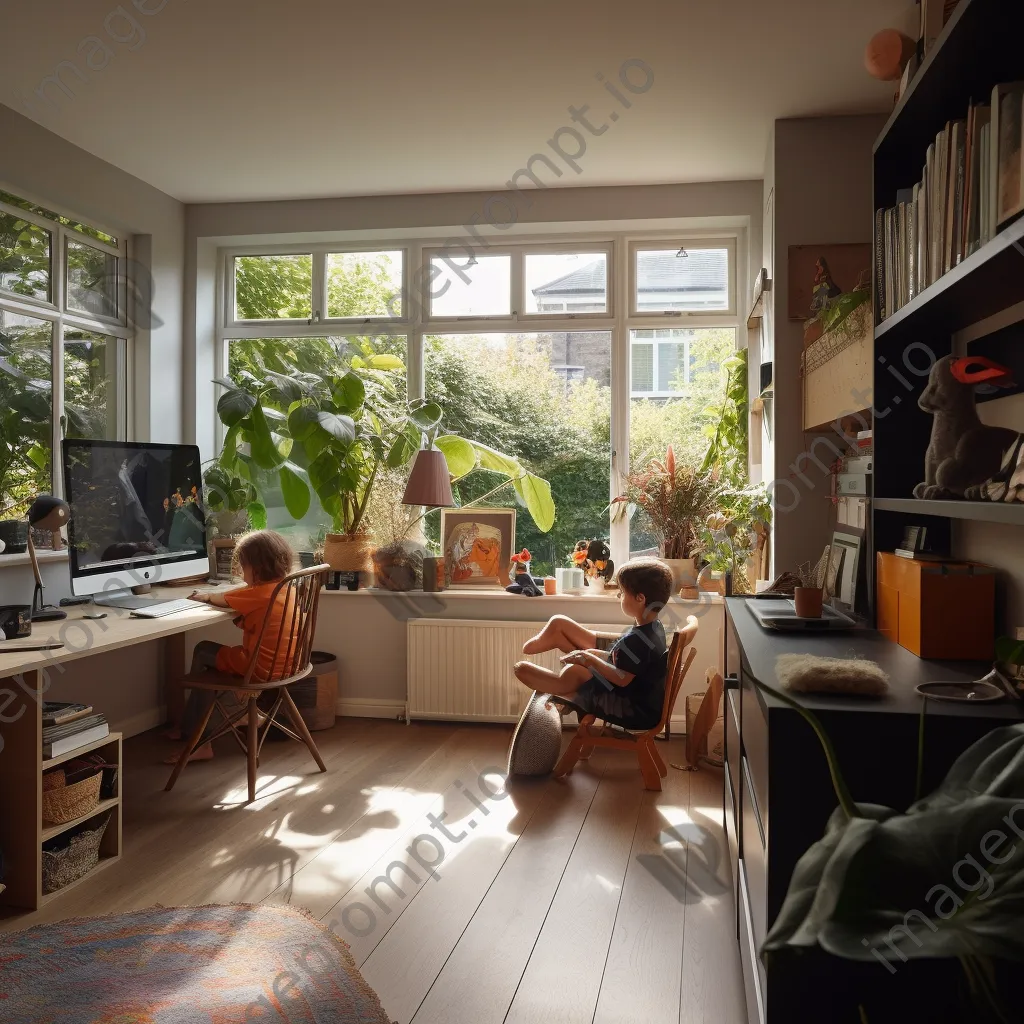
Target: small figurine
522, 582
599, 557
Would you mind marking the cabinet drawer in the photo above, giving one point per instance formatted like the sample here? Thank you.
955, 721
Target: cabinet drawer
733, 751
732, 836
753, 846
748, 956
754, 735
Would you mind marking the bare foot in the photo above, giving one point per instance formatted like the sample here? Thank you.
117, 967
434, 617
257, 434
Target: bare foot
172, 732
203, 753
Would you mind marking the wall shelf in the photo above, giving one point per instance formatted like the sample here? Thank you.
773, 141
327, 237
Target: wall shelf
989, 281
975, 511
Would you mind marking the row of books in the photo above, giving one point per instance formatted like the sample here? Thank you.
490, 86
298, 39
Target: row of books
972, 185
68, 726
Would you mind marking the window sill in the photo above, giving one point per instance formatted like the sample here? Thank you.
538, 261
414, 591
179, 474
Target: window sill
22, 558
501, 595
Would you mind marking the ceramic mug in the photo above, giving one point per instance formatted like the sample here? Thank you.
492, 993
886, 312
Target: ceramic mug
569, 581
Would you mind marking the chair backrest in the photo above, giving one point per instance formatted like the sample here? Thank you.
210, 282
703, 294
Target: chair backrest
298, 598
680, 654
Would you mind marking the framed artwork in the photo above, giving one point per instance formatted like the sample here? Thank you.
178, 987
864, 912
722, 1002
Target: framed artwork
477, 545
846, 549
812, 266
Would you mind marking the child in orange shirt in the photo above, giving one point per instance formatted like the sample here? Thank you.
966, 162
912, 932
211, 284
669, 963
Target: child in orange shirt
265, 558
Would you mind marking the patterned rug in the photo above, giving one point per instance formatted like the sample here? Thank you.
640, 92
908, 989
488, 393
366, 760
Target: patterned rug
184, 965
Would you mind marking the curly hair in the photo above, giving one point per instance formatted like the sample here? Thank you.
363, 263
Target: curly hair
267, 554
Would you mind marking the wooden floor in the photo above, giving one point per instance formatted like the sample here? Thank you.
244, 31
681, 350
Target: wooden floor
587, 900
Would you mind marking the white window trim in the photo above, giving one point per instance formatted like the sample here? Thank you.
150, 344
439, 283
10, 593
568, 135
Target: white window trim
657, 343
620, 318
63, 319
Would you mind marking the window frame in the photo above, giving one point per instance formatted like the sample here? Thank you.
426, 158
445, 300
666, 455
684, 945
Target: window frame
65, 319
726, 242
619, 318
655, 392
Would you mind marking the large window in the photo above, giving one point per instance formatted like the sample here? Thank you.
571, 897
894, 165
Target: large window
64, 337
556, 352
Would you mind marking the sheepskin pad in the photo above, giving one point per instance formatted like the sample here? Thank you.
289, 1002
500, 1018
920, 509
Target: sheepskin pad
807, 673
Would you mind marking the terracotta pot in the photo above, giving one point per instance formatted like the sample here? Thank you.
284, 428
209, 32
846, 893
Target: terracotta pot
684, 572
711, 582
349, 552
807, 601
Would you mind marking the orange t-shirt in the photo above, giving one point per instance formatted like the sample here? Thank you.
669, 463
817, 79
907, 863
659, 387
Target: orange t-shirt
252, 604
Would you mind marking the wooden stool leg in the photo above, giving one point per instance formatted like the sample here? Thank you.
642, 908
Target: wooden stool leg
586, 751
300, 728
648, 767
191, 745
252, 747
659, 761
568, 760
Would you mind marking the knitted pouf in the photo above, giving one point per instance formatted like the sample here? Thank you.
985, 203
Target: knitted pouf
537, 741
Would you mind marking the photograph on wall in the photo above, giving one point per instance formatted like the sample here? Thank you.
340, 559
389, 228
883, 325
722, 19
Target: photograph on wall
821, 272
477, 545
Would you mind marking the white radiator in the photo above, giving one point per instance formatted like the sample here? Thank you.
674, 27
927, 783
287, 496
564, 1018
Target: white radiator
462, 668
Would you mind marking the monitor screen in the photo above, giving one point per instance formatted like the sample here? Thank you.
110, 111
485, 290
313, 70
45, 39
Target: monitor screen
137, 513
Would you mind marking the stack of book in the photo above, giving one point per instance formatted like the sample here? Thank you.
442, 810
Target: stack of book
67, 727
972, 185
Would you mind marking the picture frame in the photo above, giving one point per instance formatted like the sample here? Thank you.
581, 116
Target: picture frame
222, 558
847, 544
477, 546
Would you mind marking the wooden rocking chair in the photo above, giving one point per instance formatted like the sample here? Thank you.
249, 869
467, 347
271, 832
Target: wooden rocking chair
301, 597
652, 766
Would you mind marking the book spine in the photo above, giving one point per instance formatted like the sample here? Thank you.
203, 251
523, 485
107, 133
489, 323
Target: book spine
880, 309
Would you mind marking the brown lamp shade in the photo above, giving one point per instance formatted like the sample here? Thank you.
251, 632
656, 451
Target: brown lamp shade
429, 482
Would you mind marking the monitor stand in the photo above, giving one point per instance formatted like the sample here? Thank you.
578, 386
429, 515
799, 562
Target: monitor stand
131, 598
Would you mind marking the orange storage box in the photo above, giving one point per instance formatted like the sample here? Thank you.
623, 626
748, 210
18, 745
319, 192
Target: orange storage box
937, 610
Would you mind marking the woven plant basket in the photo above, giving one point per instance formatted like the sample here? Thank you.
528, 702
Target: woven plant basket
349, 553
63, 866
63, 802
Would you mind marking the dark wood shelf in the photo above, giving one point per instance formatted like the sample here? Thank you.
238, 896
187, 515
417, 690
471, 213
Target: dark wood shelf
986, 283
978, 511
979, 47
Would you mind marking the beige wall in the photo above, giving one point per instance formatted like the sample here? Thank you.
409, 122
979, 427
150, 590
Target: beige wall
821, 172
44, 167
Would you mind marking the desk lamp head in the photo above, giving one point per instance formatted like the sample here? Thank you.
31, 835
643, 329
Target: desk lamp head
46, 513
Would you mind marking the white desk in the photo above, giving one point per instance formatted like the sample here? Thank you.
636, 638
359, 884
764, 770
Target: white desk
24, 680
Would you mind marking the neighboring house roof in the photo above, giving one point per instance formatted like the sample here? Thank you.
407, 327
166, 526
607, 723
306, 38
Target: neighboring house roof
701, 271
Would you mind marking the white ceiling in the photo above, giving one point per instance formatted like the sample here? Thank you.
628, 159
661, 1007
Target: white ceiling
267, 99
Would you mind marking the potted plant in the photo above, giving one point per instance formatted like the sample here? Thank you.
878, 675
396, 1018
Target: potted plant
334, 434
674, 500
734, 536
231, 500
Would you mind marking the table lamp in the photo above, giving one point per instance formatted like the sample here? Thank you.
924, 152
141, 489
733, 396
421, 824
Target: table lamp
46, 513
429, 482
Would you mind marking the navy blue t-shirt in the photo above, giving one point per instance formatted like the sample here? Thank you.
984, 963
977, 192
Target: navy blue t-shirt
642, 652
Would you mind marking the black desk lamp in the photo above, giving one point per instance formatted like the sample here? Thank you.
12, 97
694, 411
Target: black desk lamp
46, 513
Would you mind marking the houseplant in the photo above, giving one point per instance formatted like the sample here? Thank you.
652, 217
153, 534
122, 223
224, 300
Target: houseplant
732, 538
674, 500
927, 884
231, 500
332, 434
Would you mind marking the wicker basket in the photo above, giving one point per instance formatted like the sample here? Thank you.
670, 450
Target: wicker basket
63, 802
76, 858
349, 553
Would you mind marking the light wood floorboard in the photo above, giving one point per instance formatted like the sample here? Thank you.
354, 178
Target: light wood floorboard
581, 901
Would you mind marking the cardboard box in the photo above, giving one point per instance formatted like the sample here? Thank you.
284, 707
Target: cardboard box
937, 610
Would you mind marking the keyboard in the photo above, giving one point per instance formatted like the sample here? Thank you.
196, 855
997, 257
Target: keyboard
162, 608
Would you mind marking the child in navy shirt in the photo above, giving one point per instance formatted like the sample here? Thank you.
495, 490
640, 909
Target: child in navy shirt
626, 683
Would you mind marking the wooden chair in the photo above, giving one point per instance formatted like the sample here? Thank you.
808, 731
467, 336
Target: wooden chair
652, 766
301, 598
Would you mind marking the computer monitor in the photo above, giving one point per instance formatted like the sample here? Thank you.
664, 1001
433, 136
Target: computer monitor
137, 514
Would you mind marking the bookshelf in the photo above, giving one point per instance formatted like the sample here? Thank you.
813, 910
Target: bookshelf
978, 49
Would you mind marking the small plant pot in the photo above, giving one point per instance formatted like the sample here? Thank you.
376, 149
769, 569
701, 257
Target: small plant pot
349, 552
684, 572
807, 601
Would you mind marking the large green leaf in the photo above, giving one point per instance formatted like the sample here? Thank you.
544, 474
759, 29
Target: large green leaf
341, 428
384, 362
234, 406
38, 456
230, 450
285, 389
349, 393
257, 515
262, 446
294, 490
944, 880
405, 445
458, 453
497, 462
537, 495
303, 422
426, 415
